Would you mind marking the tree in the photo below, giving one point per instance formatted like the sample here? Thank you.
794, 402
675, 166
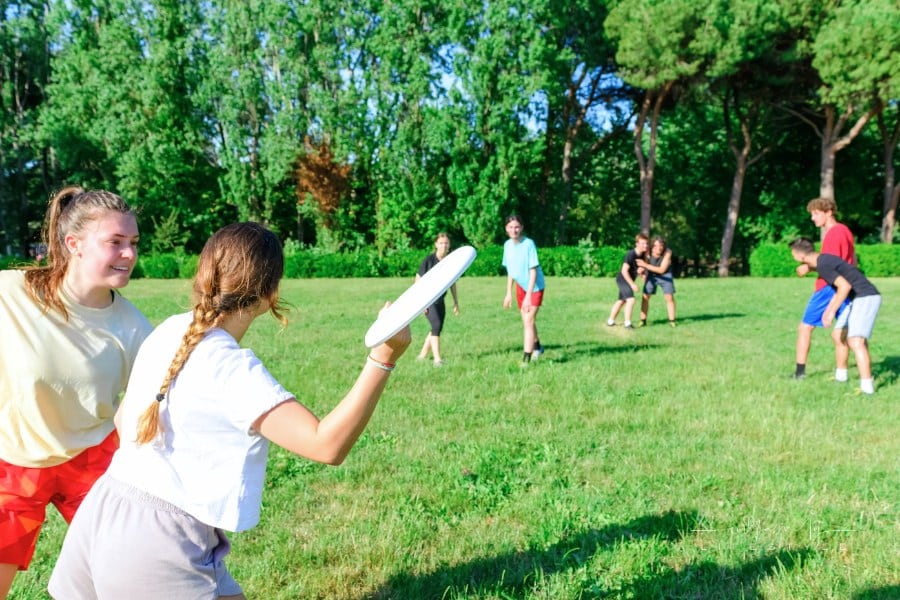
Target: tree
657, 49
24, 72
857, 55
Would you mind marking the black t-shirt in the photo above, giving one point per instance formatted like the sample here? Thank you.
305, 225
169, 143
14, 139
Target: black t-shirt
830, 266
631, 258
427, 264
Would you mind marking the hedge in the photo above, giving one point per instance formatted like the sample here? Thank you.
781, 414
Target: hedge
767, 260
775, 260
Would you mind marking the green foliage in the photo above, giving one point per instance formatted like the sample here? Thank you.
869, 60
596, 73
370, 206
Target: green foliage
879, 260
775, 260
772, 260
158, 266
857, 52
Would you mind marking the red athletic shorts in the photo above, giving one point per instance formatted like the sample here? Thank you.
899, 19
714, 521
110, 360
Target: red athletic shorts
536, 297
25, 493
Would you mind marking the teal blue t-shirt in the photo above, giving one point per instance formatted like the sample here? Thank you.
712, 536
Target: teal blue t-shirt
519, 259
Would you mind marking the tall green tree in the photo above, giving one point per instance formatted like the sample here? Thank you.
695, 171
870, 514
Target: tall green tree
24, 72
123, 112
495, 102
857, 55
254, 92
658, 48
587, 105
743, 73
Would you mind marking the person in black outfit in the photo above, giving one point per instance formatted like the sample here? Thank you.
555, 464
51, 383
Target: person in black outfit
437, 311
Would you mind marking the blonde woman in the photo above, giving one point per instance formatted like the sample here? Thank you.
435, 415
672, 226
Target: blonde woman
68, 344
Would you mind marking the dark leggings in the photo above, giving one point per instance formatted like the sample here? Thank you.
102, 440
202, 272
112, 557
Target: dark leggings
436, 313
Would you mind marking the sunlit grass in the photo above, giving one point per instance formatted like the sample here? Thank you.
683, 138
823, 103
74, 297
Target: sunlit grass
658, 463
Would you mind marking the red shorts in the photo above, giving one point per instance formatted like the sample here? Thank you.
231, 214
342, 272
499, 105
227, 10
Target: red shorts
536, 297
25, 493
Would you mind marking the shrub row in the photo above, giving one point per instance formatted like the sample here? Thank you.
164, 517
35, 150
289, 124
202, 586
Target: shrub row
775, 260
767, 260
565, 261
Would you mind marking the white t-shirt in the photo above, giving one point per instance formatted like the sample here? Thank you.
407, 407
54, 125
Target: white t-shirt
208, 461
60, 380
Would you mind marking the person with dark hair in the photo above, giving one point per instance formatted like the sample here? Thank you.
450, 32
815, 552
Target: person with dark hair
195, 427
658, 274
837, 240
437, 312
625, 281
68, 344
859, 317
524, 272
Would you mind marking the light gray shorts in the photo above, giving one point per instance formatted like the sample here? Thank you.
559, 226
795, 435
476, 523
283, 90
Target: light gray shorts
125, 543
861, 316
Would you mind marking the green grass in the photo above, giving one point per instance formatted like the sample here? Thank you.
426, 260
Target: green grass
659, 463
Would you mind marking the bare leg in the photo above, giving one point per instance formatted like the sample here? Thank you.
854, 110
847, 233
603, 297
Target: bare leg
804, 337
629, 308
841, 348
7, 574
616, 307
530, 331
435, 347
645, 306
426, 346
861, 352
670, 306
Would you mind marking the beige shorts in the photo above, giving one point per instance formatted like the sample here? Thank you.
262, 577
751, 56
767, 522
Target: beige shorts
125, 543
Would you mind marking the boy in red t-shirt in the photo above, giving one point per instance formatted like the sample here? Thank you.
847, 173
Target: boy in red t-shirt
837, 240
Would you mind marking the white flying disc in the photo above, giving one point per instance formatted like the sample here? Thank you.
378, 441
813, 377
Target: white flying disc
420, 295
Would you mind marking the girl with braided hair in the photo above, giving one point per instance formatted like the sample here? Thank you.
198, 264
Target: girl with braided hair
68, 342
195, 426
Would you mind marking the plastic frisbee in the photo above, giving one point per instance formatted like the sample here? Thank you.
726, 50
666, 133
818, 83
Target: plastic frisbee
420, 295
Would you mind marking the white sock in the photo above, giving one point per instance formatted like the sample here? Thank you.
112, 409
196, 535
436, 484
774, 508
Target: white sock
610, 322
867, 386
627, 323
840, 374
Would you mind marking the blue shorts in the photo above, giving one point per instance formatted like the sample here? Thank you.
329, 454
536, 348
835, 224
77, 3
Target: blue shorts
818, 302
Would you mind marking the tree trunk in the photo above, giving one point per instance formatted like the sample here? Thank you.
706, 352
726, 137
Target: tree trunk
833, 142
734, 206
891, 189
651, 107
742, 163
566, 200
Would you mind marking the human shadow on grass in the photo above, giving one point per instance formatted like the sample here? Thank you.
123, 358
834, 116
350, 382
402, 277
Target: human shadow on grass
510, 575
713, 581
888, 592
886, 372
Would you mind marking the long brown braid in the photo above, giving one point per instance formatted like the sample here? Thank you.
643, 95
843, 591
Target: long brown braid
240, 265
69, 211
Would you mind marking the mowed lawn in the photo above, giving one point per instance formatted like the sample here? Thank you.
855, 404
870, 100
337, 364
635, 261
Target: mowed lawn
655, 463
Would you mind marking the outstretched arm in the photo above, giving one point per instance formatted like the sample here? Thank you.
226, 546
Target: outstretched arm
294, 427
659, 269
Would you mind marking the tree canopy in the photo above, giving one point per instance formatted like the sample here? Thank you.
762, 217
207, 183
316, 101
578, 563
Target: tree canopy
341, 125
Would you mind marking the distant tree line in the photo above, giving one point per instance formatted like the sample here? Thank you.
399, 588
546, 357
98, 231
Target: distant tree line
344, 125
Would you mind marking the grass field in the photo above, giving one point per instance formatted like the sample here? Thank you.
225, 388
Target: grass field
657, 463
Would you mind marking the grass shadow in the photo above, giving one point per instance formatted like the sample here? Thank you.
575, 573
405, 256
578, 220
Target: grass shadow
713, 581
886, 372
510, 575
573, 352
709, 317
561, 353
888, 592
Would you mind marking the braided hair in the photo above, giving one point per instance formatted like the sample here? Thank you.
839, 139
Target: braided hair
240, 266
